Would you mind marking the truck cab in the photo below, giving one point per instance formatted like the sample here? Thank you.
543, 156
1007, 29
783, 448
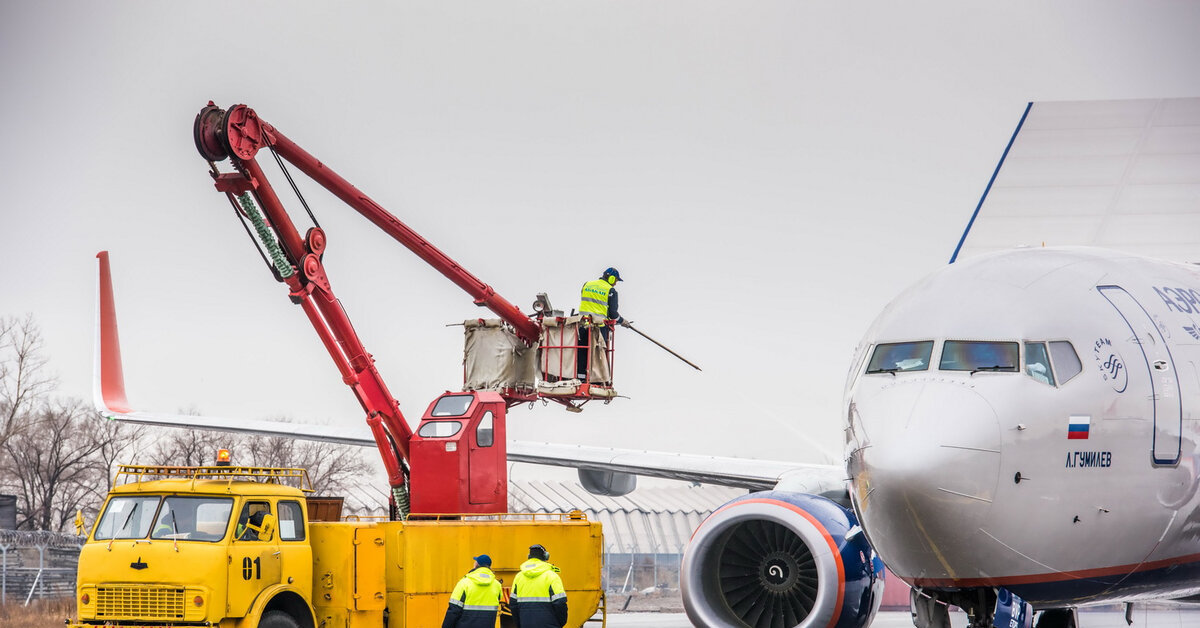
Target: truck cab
204, 545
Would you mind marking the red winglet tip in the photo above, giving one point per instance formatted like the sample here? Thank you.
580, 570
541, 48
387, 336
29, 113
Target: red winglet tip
112, 378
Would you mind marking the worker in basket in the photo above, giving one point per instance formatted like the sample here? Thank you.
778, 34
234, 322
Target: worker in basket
598, 297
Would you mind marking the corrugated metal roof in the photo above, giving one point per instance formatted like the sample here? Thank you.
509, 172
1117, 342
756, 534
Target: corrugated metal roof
650, 520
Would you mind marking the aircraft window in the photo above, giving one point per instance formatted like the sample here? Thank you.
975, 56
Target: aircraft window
452, 405
127, 518
1037, 362
1066, 361
901, 356
193, 519
484, 436
959, 355
439, 429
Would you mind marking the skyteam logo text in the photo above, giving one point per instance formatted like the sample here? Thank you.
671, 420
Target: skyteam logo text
1112, 366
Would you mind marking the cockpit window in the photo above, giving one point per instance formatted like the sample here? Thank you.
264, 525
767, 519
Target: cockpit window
1037, 363
960, 355
1066, 361
901, 356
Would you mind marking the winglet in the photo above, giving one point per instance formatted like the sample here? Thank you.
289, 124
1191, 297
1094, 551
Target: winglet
108, 385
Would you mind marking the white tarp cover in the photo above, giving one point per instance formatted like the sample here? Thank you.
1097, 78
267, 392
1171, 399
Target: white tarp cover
1118, 174
494, 357
559, 338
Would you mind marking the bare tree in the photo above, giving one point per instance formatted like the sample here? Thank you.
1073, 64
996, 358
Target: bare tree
24, 383
55, 455
184, 448
54, 465
119, 442
333, 468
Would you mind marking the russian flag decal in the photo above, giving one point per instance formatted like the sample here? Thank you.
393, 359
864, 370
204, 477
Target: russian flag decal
1079, 426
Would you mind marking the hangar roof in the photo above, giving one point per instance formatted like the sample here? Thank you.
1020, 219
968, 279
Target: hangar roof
650, 520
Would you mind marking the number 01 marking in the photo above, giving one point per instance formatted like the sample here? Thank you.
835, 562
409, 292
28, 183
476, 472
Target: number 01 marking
251, 568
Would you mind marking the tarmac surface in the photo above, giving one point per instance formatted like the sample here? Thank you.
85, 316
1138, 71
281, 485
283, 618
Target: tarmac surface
894, 619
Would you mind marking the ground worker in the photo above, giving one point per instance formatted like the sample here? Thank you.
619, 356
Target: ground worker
598, 297
538, 597
475, 601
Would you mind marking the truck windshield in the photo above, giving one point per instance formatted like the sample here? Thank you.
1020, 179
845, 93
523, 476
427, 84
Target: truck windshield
127, 517
193, 519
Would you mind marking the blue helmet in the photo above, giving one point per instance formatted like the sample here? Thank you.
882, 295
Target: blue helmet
612, 272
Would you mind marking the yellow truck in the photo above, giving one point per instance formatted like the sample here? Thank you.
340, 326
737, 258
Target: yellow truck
240, 547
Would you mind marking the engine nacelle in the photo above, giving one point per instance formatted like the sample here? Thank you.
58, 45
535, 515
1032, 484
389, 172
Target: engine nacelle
774, 559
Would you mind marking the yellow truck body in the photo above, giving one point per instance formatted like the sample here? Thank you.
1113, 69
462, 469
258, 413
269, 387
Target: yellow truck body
188, 550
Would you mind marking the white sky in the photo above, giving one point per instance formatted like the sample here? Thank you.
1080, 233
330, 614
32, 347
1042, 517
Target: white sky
766, 176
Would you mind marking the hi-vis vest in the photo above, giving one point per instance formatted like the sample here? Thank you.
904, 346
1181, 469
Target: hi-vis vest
594, 299
475, 601
539, 599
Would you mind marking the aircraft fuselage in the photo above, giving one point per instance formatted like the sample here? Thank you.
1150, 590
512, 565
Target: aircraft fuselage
1028, 420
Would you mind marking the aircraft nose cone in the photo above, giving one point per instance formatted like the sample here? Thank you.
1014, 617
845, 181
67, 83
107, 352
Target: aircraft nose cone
924, 464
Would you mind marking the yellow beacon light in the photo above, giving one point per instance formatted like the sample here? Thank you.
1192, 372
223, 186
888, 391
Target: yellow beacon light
222, 457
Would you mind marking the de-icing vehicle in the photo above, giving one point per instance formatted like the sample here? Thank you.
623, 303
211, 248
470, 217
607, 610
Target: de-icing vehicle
492, 383
238, 546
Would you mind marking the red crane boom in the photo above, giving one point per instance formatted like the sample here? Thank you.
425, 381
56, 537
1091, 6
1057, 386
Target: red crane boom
238, 134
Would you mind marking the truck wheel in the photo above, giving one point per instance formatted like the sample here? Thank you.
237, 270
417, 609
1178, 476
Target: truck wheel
277, 619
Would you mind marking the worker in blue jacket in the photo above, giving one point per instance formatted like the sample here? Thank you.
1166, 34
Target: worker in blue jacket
475, 601
538, 597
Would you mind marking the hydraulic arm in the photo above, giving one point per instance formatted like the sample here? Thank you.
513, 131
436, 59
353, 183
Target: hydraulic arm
238, 134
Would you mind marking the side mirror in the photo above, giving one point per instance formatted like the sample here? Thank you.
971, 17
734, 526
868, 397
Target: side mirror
79, 523
267, 528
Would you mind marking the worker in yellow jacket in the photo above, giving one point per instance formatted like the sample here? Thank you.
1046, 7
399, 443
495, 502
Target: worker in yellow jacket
598, 297
475, 601
539, 599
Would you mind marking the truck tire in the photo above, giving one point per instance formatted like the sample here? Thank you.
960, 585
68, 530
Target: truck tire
277, 619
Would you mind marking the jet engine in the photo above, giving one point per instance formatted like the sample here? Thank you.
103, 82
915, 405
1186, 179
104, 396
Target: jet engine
777, 559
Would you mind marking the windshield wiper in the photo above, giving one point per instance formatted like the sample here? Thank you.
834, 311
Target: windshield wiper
891, 371
136, 505
996, 367
174, 529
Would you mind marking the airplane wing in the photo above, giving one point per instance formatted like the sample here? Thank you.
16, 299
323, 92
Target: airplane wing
1117, 174
745, 473
111, 402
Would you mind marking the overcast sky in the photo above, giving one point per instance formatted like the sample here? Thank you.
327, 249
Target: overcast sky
765, 175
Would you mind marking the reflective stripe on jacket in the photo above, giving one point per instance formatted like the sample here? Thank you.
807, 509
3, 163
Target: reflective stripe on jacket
538, 597
475, 601
594, 298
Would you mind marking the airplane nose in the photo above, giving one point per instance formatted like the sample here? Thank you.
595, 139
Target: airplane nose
924, 465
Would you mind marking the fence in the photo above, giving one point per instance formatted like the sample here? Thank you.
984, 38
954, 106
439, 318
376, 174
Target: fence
624, 573
37, 565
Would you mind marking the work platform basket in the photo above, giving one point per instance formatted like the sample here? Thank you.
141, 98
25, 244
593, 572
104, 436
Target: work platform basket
573, 361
